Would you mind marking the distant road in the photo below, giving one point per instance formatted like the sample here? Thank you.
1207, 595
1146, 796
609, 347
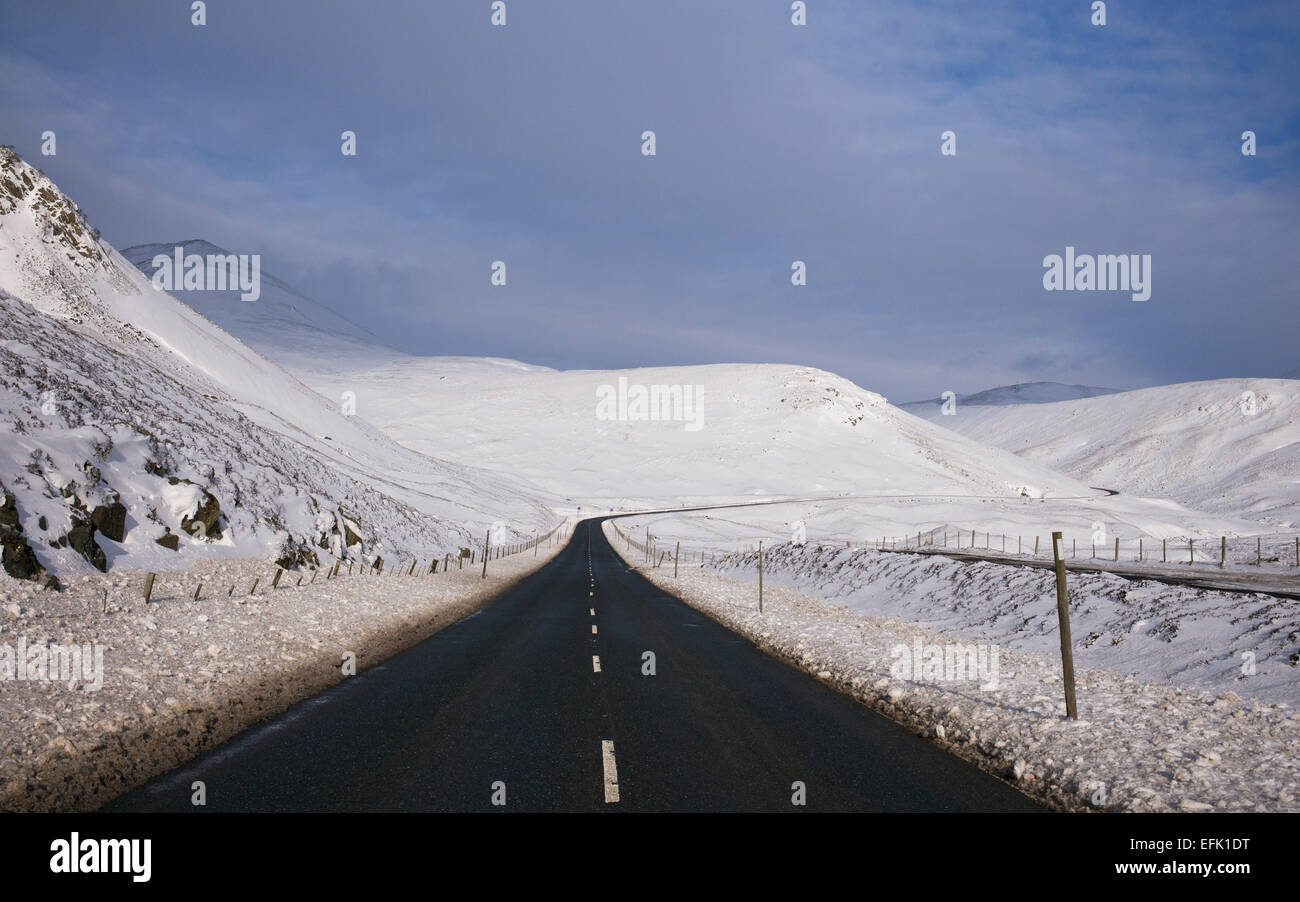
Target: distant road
542, 695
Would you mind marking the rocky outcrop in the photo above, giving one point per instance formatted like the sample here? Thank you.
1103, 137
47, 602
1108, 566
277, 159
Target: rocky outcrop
110, 519
206, 521
169, 540
82, 539
294, 555
16, 556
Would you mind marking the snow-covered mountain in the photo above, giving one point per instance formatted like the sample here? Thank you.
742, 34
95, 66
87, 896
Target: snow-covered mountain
1020, 393
1229, 446
133, 418
762, 430
279, 321
745, 432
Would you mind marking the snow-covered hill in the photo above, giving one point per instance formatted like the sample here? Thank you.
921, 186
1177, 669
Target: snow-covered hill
281, 321
1229, 446
758, 431
131, 417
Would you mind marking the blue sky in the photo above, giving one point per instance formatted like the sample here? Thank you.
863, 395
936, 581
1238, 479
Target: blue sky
775, 143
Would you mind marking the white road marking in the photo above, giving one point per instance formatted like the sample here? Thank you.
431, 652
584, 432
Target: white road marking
595, 663
593, 629
611, 770
593, 612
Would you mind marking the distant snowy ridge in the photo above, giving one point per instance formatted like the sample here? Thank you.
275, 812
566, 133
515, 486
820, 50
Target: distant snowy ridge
1229, 446
1020, 393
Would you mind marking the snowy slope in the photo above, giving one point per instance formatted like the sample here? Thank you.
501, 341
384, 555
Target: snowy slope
1207, 445
764, 432
112, 388
282, 319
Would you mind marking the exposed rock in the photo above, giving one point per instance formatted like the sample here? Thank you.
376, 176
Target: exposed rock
16, 556
82, 539
170, 540
208, 514
110, 519
9, 518
294, 555
349, 534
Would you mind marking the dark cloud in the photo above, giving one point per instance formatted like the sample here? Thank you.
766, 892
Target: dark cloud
774, 144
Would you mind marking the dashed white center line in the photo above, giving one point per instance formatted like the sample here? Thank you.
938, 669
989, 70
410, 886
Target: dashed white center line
611, 770
595, 663
593, 612
593, 629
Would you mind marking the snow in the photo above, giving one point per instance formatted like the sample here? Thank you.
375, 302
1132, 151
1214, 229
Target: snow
181, 676
112, 390
1139, 745
103, 375
1020, 393
1227, 446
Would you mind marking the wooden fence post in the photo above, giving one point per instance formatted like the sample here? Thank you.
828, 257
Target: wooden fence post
1223, 551
760, 577
487, 544
148, 586
676, 555
1063, 617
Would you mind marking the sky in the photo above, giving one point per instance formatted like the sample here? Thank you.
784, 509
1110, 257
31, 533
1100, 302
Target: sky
774, 143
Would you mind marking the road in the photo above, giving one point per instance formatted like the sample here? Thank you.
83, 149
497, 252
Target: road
540, 701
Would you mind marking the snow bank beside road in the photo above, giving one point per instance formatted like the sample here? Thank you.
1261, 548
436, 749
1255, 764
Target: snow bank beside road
182, 676
1138, 746
1203, 639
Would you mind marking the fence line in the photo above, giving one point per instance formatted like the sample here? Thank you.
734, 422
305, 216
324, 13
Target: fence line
1248, 551
376, 569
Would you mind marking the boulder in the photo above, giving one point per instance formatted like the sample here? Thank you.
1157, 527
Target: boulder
208, 514
110, 519
170, 540
82, 539
16, 556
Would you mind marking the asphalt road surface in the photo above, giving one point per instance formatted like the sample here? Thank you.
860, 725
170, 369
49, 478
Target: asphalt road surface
541, 701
